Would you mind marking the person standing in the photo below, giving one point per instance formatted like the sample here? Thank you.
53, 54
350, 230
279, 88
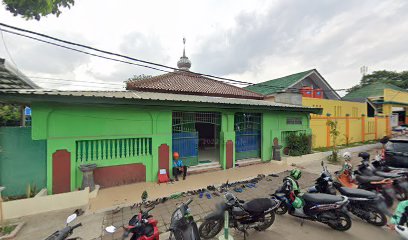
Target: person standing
178, 167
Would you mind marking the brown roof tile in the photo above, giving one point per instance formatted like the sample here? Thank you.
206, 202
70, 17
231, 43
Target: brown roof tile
191, 84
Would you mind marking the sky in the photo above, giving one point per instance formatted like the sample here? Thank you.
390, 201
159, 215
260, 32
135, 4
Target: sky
251, 41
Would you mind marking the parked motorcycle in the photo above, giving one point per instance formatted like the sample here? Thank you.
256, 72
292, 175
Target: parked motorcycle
399, 181
182, 225
142, 226
66, 231
364, 204
320, 207
257, 214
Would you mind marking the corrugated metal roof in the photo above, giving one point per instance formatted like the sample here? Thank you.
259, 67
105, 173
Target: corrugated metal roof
278, 84
138, 95
11, 78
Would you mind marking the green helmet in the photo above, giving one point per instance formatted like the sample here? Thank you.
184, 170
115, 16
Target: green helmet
296, 174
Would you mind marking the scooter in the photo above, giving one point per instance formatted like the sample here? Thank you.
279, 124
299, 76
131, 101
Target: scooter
182, 224
320, 207
258, 214
399, 182
364, 204
142, 226
66, 231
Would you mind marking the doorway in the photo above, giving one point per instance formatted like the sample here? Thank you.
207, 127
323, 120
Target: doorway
196, 137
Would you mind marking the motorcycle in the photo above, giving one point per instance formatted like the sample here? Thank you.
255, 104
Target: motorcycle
399, 181
364, 204
142, 226
182, 224
66, 231
258, 214
320, 207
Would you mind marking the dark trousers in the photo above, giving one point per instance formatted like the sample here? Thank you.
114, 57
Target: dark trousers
177, 172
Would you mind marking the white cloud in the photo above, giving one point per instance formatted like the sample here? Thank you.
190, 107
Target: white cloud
247, 40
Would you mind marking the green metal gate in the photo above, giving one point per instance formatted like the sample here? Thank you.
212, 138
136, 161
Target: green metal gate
185, 135
247, 135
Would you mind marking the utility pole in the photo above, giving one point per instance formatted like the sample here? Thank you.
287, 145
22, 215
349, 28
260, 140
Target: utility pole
363, 70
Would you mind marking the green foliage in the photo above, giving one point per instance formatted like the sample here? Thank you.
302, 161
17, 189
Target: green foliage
334, 133
5, 230
399, 79
10, 115
30, 9
139, 77
298, 144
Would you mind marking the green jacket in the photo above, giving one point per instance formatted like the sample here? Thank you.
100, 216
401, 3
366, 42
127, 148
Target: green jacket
401, 208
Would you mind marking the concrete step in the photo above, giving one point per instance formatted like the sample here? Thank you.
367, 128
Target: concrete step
248, 162
205, 167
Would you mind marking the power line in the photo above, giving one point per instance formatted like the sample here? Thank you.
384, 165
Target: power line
69, 80
79, 85
275, 88
121, 55
6, 48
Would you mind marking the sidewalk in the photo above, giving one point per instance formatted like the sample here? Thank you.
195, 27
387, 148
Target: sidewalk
121, 196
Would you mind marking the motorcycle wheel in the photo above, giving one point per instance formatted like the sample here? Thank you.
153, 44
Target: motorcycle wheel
343, 222
378, 218
282, 209
268, 220
210, 228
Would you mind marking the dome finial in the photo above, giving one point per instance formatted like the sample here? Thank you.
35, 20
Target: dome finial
184, 63
184, 49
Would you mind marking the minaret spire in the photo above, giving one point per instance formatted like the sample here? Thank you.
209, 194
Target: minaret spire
184, 63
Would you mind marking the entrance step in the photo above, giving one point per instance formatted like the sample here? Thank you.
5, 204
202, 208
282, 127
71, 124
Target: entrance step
247, 162
205, 167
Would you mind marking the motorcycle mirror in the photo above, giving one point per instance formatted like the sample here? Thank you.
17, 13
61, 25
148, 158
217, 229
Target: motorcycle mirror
110, 229
322, 163
71, 218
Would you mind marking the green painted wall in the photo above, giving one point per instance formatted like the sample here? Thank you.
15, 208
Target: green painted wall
274, 123
62, 125
22, 161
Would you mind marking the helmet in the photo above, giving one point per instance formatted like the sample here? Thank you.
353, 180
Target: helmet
296, 174
347, 156
176, 155
364, 155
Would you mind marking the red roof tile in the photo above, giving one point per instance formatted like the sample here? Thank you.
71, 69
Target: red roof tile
192, 84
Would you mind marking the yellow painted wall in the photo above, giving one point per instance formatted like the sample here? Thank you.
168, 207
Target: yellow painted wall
337, 108
391, 95
319, 129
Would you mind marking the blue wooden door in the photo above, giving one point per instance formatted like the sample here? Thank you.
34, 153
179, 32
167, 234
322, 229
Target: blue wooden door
247, 135
186, 144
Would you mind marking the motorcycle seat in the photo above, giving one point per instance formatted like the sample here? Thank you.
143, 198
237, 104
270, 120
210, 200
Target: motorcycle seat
352, 192
321, 198
259, 205
386, 175
367, 179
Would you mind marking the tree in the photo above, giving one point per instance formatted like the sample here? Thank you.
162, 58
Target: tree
10, 115
334, 133
399, 79
30, 9
139, 77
